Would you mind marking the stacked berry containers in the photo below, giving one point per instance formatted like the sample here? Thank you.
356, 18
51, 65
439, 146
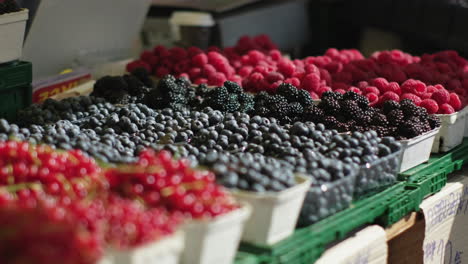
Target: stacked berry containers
12, 29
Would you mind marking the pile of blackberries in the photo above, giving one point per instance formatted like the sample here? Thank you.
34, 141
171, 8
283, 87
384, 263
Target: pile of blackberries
287, 104
351, 112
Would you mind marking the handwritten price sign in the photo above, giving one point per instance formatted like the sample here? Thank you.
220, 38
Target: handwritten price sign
446, 215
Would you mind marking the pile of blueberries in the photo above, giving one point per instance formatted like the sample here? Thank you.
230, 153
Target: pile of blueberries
246, 151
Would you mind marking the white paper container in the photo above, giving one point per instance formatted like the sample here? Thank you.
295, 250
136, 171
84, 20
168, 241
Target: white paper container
215, 241
165, 251
417, 150
274, 215
12, 29
452, 131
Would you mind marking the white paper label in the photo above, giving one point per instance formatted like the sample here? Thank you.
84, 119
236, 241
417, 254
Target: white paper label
446, 215
366, 246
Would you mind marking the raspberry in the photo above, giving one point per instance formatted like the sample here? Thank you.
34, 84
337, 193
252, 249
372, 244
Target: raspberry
446, 109
314, 96
344, 77
146, 56
413, 86
461, 92
393, 87
286, 67
431, 89
455, 101
275, 85
454, 84
354, 89
161, 72
387, 96
412, 97
245, 71
182, 66
200, 60
373, 98
274, 77
208, 70
334, 67
310, 68
194, 73
200, 81
178, 53
216, 58
380, 83
217, 79
294, 81
430, 105
235, 78
425, 96
325, 75
138, 64
441, 96
371, 89
363, 84
158, 50
323, 89
192, 51
311, 82
339, 85
275, 54
255, 56
341, 91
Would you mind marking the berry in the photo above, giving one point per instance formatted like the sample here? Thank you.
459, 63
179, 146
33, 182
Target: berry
412, 97
431, 106
441, 96
455, 101
389, 96
446, 109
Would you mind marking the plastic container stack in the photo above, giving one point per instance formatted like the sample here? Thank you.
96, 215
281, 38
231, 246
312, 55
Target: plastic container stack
15, 75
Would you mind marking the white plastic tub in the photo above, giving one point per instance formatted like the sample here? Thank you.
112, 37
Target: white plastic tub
451, 133
274, 215
215, 241
417, 150
165, 251
12, 30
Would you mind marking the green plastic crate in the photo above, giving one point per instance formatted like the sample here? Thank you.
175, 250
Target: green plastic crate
246, 258
307, 244
15, 88
432, 176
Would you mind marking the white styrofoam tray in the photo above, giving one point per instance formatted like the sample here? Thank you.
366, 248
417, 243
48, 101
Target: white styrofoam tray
165, 251
417, 150
274, 215
12, 30
451, 133
215, 241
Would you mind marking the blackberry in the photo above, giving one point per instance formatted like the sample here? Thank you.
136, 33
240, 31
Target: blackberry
410, 129
332, 95
395, 117
382, 131
304, 98
233, 87
217, 98
434, 121
363, 119
296, 109
350, 108
379, 120
143, 76
390, 105
232, 103
408, 107
247, 102
313, 113
288, 91
350, 96
330, 122
330, 105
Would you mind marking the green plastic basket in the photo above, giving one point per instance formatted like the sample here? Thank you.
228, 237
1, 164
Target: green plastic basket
15, 88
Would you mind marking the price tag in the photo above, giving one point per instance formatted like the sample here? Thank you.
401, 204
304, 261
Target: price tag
446, 215
365, 247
